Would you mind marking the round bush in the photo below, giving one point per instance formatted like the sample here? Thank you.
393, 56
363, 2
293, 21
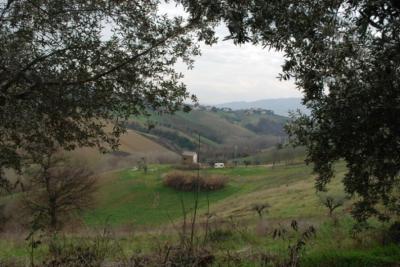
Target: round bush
189, 182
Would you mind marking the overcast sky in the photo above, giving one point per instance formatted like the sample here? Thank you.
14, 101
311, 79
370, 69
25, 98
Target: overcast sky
225, 72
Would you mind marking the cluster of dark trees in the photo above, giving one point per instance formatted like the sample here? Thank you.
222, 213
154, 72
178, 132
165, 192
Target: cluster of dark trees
266, 126
171, 139
174, 138
63, 78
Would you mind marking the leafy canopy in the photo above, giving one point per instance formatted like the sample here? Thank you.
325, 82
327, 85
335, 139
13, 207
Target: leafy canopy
344, 55
62, 78
70, 68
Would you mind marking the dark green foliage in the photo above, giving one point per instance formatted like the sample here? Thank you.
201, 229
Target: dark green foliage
394, 232
344, 56
168, 137
266, 126
64, 76
358, 119
175, 139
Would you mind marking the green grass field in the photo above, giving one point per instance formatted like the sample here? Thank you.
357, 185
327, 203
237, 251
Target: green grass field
131, 198
142, 199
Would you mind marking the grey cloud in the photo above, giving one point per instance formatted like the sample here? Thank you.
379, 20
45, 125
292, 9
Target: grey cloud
226, 72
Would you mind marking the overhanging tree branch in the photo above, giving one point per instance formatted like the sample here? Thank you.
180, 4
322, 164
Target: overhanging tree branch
127, 61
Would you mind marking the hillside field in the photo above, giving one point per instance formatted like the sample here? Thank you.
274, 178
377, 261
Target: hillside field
143, 214
133, 147
131, 196
224, 133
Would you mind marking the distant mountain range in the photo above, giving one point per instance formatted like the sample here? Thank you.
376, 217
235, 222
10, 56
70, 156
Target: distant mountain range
280, 106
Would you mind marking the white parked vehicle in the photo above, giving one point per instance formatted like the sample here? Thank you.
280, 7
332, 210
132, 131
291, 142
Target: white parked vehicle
219, 165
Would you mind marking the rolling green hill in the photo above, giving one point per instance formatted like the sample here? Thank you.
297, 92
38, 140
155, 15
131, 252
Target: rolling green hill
224, 133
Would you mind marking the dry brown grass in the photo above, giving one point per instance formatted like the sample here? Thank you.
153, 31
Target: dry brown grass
188, 182
133, 146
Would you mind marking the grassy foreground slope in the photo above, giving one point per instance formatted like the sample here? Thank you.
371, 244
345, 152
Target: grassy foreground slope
133, 197
141, 211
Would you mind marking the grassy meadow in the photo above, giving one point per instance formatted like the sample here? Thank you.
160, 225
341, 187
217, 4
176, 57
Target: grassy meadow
143, 214
132, 197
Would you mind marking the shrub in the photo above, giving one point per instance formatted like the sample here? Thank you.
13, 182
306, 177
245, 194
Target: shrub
332, 203
188, 182
87, 252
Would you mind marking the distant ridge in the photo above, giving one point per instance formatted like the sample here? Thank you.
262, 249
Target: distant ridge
280, 106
